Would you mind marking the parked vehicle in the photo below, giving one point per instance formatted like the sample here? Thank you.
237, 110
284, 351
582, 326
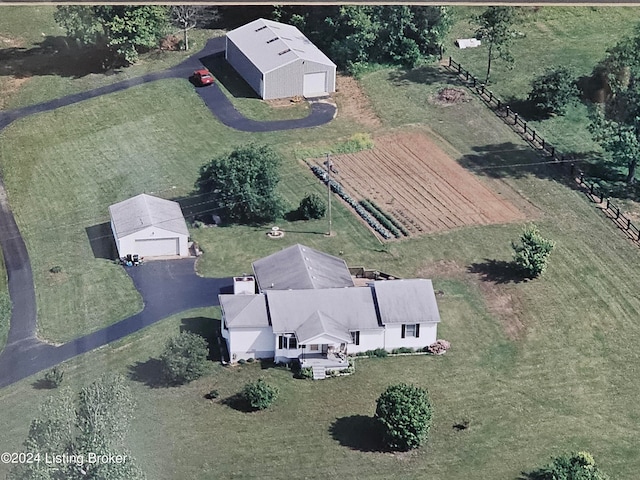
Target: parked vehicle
202, 77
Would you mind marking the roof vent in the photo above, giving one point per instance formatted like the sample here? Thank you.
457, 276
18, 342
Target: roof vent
272, 40
261, 28
284, 51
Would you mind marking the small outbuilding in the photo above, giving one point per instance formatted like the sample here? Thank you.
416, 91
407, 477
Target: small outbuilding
149, 226
278, 61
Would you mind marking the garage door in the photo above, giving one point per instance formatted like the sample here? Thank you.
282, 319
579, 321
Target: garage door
314, 83
157, 247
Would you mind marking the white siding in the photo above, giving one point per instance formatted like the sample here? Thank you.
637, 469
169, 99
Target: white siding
250, 343
393, 336
369, 340
136, 244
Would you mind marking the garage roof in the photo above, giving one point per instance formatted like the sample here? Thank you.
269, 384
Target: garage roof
143, 211
269, 45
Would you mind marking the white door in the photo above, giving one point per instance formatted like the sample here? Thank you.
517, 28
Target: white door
154, 247
314, 83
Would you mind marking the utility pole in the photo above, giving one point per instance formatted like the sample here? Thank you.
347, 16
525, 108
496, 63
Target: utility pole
327, 164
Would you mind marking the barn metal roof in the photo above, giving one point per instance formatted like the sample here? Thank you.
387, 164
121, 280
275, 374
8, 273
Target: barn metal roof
244, 310
406, 301
301, 267
270, 45
143, 211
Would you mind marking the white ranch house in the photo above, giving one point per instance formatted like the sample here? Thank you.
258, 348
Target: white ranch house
308, 308
149, 226
278, 61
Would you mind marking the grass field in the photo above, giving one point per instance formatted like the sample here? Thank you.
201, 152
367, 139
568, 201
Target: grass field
539, 368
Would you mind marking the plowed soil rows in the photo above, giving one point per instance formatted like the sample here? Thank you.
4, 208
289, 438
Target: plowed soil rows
411, 178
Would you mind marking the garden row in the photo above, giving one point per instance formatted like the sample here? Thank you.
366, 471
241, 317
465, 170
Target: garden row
322, 174
396, 228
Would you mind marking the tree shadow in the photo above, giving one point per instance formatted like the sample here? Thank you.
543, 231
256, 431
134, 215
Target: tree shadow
227, 76
102, 243
293, 215
43, 384
497, 271
55, 55
207, 328
358, 432
526, 109
148, 373
427, 74
533, 475
237, 402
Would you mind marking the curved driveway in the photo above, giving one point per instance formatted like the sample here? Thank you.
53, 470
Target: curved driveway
167, 287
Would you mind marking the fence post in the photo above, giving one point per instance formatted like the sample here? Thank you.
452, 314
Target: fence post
525, 127
459, 69
639, 234
573, 169
482, 89
499, 104
544, 147
474, 82
515, 117
628, 223
553, 151
508, 111
449, 61
591, 189
608, 203
467, 75
617, 213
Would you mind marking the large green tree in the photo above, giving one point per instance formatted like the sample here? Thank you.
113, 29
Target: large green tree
242, 184
124, 29
354, 36
184, 358
94, 422
405, 413
495, 29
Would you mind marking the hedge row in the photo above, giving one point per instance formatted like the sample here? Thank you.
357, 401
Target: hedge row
395, 222
382, 217
337, 188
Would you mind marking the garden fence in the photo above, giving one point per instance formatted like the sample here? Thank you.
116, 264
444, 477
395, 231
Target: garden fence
558, 161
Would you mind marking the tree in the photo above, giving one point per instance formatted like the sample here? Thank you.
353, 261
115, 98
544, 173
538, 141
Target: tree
575, 466
188, 17
312, 206
532, 254
405, 413
125, 30
242, 184
97, 423
54, 377
184, 358
495, 28
259, 394
552, 91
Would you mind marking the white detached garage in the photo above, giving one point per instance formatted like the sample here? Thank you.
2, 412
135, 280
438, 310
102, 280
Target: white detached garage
149, 226
278, 61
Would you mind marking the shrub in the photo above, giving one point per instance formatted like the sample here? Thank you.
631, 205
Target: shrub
251, 360
184, 358
56, 269
403, 350
356, 143
552, 91
242, 361
312, 206
576, 466
306, 373
259, 395
54, 377
212, 395
532, 254
405, 413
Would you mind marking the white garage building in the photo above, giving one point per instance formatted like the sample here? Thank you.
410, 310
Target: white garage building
149, 226
278, 61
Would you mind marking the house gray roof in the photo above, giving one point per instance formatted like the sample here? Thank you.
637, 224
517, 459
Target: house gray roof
269, 45
352, 308
244, 310
406, 301
143, 211
299, 267
319, 324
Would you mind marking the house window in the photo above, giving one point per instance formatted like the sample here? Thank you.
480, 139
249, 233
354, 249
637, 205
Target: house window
315, 347
287, 342
410, 330
355, 337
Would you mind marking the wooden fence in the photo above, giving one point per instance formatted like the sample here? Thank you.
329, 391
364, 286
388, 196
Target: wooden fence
557, 161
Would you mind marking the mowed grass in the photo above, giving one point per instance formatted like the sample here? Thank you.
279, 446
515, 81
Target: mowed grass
577, 37
64, 168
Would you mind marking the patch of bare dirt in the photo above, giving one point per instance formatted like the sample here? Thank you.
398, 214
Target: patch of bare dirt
499, 298
353, 102
8, 42
284, 102
451, 96
8, 87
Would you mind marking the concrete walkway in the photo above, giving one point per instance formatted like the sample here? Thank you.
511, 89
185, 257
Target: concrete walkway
167, 287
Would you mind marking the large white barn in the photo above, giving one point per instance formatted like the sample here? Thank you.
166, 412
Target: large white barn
308, 308
278, 61
149, 226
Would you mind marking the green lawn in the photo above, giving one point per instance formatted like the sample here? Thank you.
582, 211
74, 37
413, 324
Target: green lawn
575, 37
539, 368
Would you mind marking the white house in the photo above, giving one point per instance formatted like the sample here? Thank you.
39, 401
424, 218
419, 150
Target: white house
149, 226
278, 61
320, 325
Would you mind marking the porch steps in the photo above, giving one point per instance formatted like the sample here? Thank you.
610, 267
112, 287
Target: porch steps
319, 373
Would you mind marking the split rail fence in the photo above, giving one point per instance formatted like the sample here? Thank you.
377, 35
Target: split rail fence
560, 162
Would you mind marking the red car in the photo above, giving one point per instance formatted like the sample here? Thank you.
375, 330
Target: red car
202, 77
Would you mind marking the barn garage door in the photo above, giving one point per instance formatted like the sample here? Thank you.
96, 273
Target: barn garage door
314, 83
157, 247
